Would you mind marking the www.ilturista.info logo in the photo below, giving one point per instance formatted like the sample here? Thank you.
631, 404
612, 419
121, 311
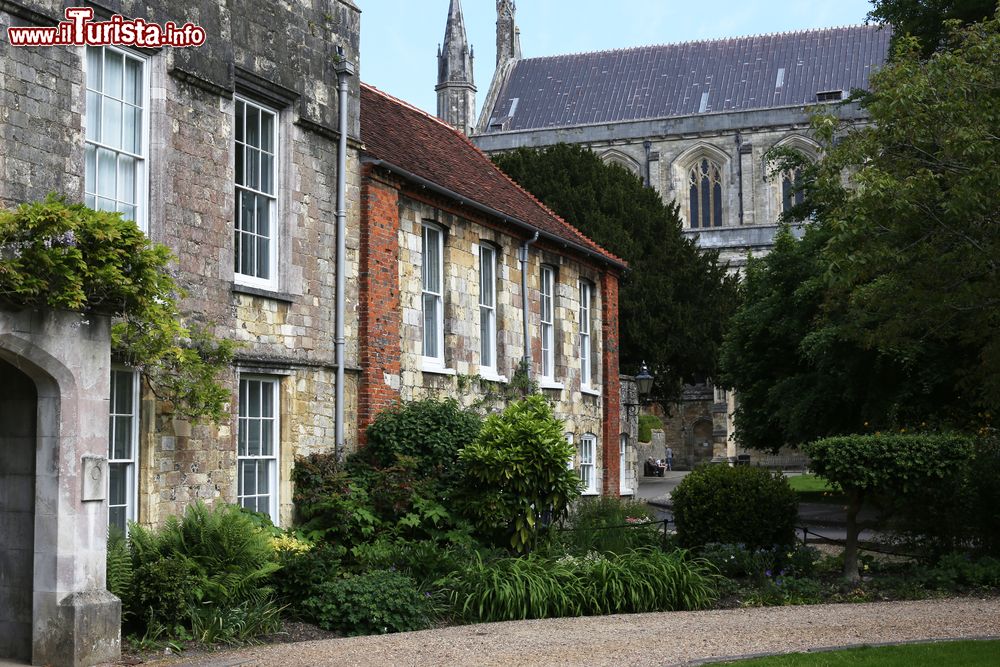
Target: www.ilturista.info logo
79, 30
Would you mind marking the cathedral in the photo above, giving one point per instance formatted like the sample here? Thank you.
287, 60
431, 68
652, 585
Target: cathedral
693, 120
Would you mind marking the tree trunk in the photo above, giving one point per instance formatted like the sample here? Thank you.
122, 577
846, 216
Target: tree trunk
854, 498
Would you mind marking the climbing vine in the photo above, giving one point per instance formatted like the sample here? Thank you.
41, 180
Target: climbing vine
63, 256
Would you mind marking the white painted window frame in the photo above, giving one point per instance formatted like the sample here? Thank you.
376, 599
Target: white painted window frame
430, 296
586, 358
488, 366
588, 463
273, 240
274, 458
625, 481
131, 462
547, 308
140, 174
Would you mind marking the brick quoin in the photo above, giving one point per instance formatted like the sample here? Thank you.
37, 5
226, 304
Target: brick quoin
612, 384
380, 315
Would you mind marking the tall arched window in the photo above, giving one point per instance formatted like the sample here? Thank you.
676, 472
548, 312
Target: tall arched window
705, 185
791, 192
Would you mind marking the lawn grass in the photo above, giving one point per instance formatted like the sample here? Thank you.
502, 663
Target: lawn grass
814, 489
943, 654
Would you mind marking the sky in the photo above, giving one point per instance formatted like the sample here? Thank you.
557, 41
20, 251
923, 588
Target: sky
399, 38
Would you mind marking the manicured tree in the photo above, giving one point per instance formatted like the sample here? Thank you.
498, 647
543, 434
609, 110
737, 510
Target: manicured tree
867, 466
515, 475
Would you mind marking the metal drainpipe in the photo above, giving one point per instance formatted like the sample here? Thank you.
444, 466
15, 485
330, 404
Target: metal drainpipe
648, 146
345, 70
523, 256
739, 165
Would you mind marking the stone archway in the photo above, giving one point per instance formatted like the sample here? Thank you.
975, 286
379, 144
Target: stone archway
18, 432
54, 438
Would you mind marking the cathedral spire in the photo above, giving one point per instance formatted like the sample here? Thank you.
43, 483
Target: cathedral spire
456, 89
508, 34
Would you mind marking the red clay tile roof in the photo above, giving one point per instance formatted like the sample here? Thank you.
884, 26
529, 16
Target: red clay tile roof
409, 142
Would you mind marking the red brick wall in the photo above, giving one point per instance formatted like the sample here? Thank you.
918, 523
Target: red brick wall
612, 384
380, 315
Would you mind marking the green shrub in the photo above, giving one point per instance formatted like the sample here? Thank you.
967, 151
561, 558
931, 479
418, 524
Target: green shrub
646, 425
609, 525
737, 561
431, 431
376, 602
119, 567
303, 571
535, 586
515, 477
207, 572
741, 504
786, 590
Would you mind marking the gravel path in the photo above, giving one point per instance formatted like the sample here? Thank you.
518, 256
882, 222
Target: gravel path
676, 638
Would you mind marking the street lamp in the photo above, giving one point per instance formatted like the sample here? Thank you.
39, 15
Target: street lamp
643, 384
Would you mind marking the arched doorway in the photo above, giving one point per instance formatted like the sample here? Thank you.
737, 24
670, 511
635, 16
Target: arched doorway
18, 434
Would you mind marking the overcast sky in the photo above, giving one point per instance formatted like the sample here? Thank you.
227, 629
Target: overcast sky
399, 38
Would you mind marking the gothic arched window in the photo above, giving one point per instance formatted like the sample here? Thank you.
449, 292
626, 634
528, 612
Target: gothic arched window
791, 190
705, 194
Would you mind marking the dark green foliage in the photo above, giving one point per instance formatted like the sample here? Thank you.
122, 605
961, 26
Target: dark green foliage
736, 561
303, 572
431, 431
375, 602
646, 425
207, 573
741, 504
609, 525
675, 300
515, 478
892, 467
534, 586
119, 568
926, 20
425, 561
69, 257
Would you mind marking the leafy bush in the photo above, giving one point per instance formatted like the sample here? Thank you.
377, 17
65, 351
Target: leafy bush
425, 561
609, 525
515, 475
786, 590
741, 504
69, 257
646, 425
431, 431
206, 573
376, 602
737, 561
119, 567
534, 586
303, 571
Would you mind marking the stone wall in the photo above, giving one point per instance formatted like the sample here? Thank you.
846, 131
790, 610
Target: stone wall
281, 56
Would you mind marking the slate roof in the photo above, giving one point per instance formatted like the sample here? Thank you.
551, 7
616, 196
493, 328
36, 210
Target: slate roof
413, 143
741, 73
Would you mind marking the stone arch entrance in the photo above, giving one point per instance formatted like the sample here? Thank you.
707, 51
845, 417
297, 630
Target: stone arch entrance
18, 431
54, 384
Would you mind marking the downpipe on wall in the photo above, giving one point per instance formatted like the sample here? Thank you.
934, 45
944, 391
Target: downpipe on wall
345, 70
523, 257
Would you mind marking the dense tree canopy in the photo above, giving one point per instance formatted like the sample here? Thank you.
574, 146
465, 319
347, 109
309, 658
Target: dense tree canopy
924, 19
675, 299
888, 312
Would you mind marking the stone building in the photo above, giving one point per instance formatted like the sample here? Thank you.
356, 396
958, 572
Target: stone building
695, 121
449, 245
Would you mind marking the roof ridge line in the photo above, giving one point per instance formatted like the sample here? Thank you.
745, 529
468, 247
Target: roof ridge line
594, 244
877, 26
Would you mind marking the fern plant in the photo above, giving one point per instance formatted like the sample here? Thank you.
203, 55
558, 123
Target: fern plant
119, 567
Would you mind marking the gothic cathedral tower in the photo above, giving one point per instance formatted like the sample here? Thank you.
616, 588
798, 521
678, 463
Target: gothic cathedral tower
508, 35
456, 91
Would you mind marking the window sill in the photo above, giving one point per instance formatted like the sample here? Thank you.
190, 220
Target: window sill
239, 288
589, 493
436, 370
492, 377
549, 384
590, 391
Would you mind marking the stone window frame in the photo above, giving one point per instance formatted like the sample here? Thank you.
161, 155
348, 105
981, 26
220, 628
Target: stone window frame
547, 327
784, 182
140, 173
433, 362
131, 463
683, 168
587, 451
274, 242
272, 460
488, 328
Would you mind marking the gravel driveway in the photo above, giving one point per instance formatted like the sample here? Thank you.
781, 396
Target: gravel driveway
675, 638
